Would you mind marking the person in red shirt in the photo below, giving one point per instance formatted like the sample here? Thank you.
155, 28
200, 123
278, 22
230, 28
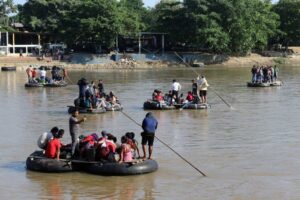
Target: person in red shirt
33, 73
54, 145
106, 147
87, 143
159, 97
189, 97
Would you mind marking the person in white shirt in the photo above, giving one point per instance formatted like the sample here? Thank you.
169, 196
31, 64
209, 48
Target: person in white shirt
176, 87
202, 85
43, 75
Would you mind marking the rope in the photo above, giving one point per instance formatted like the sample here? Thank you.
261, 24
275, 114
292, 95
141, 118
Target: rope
199, 75
165, 145
69, 79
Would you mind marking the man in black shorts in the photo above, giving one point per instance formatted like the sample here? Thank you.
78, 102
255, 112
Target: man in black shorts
202, 86
149, 126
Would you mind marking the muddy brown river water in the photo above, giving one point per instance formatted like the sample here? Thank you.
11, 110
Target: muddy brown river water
249, 152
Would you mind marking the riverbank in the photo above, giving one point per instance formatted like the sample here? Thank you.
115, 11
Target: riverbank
23, 62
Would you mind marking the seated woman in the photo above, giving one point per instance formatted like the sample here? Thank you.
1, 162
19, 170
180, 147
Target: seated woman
125, 154
100, 101
106, 148
189, 97
54, 145
133, 144
113, 100
154, 94
87, 146
159, 97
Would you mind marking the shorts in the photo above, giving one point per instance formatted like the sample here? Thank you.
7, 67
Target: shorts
147, 138
202, 93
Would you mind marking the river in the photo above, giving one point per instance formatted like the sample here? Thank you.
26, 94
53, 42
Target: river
248, 152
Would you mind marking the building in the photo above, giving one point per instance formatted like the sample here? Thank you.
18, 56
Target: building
20, 43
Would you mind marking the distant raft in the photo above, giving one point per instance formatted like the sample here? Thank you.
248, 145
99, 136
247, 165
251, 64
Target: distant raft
38, 162
195, 106
122, 169
116, 107
154, 105
8, 68
271, 84
33, 85
87, 110
54, 84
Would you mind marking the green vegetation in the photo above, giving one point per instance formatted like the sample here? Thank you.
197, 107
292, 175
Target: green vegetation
227, 26
7, 7
279, 61
289, 12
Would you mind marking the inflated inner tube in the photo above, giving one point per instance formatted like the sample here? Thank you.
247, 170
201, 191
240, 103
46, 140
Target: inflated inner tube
111, 169
154, 105
8, 68
38, 162
86, 110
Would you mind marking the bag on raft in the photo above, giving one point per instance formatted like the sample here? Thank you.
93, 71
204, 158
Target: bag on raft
42, 141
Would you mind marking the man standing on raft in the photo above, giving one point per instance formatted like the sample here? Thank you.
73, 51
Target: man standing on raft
149, 126
74, 129
202, 86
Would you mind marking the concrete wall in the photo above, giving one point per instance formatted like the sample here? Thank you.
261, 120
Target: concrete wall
170, 57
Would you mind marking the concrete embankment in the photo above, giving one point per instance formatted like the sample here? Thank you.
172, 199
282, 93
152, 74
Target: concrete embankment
148, 61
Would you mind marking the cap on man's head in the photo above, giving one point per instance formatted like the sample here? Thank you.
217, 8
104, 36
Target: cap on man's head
104, 133
149, 114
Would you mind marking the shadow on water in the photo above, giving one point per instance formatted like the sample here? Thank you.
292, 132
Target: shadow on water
70, 186
17, 166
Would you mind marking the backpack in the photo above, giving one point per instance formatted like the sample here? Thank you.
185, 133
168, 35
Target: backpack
103, 150
42, 141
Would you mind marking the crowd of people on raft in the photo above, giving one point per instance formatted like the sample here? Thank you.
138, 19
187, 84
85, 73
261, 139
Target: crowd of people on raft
93, 96
95, 147
39, 75
198, 94
264, 73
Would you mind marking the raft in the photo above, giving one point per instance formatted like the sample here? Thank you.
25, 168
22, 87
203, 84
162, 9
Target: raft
34, 85
56, 84
8, 68
114, 108
275, 83
87, 110
154, 105
122, 169
195, 106
38, 162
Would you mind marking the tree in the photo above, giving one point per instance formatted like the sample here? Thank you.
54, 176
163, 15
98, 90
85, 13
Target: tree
130, 16
45, 16
7, 7
289, 12
169, 20
72, 21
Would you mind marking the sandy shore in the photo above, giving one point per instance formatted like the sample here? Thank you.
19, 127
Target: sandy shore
23, 62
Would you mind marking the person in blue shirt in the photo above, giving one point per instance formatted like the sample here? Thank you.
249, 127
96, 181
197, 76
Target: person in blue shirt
149, 127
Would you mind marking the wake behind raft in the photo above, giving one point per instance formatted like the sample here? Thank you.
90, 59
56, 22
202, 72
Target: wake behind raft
38, 162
